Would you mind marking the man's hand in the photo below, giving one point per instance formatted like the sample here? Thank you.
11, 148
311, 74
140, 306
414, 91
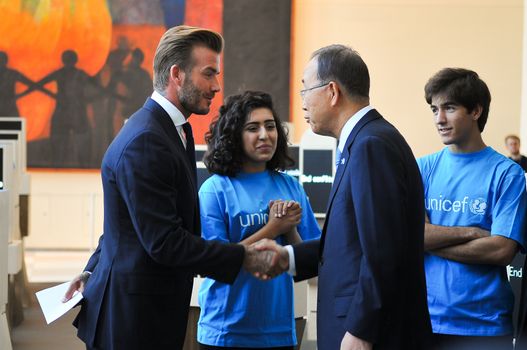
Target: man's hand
280, 258
258, 263
76, 284
350, 342
266, 259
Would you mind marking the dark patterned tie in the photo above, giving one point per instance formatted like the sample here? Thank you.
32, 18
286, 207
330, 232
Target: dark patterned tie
191, 151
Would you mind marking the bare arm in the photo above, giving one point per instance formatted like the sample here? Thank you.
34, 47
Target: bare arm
493, 250
293, 237
437, 237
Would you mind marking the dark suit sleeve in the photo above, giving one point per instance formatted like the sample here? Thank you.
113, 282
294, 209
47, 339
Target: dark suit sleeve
94, 258
379, 194
150, 180
306, 259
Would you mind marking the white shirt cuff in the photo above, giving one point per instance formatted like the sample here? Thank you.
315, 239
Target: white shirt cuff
291, 254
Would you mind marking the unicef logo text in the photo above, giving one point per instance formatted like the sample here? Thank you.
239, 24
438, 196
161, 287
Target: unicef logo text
478, 206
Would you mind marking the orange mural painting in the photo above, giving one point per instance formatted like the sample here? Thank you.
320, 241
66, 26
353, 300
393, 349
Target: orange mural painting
34, 35
74, 65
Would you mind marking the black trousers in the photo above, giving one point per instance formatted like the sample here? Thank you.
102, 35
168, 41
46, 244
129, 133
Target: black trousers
459, 342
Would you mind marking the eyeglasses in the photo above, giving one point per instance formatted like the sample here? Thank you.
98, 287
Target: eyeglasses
303, 91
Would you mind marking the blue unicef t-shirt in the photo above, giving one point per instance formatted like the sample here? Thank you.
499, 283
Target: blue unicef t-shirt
486, 190
250, 312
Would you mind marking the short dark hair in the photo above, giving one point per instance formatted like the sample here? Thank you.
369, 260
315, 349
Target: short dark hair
175, 47
225, 155
463, 87
344, 65
512, 136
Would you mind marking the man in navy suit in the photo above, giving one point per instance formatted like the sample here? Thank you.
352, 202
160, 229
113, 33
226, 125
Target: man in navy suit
138, 293
371, 286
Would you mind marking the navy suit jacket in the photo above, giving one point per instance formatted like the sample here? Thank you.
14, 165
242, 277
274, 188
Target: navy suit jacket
369, 258
138, 295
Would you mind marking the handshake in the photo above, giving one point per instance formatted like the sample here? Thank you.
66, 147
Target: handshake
266, 259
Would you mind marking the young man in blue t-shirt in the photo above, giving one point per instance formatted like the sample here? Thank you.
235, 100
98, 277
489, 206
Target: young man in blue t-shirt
475, 202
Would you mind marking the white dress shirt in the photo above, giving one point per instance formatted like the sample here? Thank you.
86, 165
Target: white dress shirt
175, 114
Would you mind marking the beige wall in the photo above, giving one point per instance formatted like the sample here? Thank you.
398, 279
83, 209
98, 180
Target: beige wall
405, 42
66, 210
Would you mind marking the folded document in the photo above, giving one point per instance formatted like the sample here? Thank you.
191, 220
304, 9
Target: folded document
50, 301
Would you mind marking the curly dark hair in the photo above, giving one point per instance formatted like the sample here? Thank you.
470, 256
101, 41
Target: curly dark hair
225, 154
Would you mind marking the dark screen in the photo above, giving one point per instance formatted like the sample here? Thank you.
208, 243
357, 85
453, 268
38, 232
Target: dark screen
294, 170
318, 178
8, 136
203, 175
199, 155
10, 125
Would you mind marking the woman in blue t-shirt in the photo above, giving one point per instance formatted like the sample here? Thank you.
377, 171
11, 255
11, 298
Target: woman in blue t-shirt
247, 146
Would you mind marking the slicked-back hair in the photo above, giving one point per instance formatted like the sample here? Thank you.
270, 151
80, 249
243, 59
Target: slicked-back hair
461, 86
175, 48
225, 151
344, 65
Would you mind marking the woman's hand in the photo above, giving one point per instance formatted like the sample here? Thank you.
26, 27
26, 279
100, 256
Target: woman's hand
284, 216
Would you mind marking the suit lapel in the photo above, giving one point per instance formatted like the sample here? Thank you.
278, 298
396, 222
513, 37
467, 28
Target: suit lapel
368, 117
168, 126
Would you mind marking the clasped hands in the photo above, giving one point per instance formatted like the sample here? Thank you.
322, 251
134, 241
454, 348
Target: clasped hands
267, 259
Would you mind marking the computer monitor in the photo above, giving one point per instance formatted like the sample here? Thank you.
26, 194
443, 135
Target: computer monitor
9, 180
317, 177
202, 172
199, 154
16, 125
16, 139
4, 242
10, 173
294, 170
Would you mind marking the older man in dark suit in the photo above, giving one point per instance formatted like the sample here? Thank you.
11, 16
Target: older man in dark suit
138, 293
371, 288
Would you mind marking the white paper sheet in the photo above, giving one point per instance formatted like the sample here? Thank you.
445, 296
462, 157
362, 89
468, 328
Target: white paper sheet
50, 301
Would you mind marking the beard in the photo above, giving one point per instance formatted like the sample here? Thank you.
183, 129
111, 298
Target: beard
190, 98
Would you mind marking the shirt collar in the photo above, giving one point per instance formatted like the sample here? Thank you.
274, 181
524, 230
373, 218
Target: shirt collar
175, 114
350, 124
